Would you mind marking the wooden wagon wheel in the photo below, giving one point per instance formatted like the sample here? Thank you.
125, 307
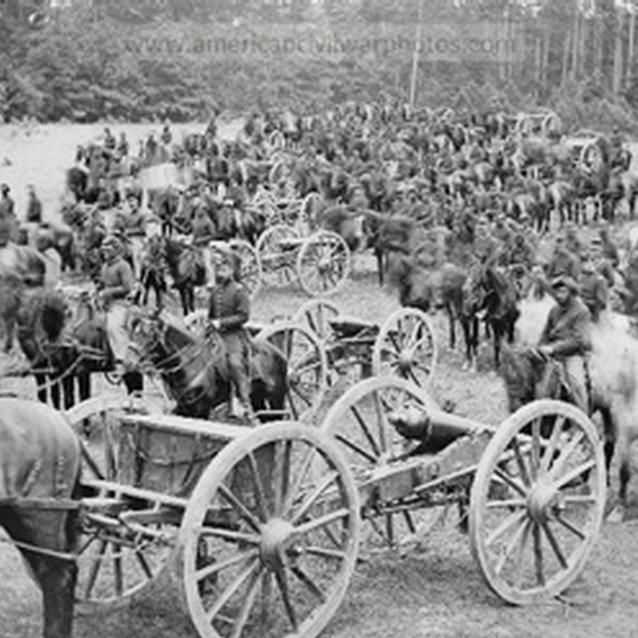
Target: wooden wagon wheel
315, 314
406, 346
591, 155
249, 264
537, 501
115, 562
277, 253
323, 263
307, 366
359, 422
263, 548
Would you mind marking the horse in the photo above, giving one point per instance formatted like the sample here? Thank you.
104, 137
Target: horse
613, 373
63, 350
39, 490
194, 368
187, 269
490, 292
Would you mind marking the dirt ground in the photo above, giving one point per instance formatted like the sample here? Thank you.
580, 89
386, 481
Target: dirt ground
436, 591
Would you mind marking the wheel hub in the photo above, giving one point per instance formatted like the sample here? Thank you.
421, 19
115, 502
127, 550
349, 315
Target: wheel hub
405, 361
275, 535
323, 265
542, 500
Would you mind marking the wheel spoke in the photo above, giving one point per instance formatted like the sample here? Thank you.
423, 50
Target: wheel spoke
324, 552
570, 526
356, 448
247, 605
230, 535
522, 468
366, 431
504, 476
259, 488
536, 445
551, 446
554, 543
95, 568
314, 495
231, 589
214, 568
240, 507
301, 477
282, 583
538, 554
508, 503
326, 519
282, 474
141, 559
561, 461
576, 472
117, 566
517, 536
512, 520
518, 561
308, 582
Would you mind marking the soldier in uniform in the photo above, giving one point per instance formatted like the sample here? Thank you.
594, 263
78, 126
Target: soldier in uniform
563, 262
566, 339
116, 284
34, 207
7, 205
228, 312
109, 140
593, 287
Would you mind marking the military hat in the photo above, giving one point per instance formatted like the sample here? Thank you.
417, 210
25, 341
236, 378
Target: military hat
565, 280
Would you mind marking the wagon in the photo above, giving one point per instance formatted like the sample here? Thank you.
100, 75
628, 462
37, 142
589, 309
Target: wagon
320, 262
404, 344
541, 123
260, 528
586, 150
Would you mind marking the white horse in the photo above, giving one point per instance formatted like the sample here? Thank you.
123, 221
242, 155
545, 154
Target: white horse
613, 364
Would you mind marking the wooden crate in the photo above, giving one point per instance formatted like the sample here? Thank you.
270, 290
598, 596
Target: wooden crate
167, 454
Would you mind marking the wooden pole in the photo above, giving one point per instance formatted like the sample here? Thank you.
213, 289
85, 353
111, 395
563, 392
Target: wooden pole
416, 56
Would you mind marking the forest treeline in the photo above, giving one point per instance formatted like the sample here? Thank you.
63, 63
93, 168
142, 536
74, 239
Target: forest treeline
151, 60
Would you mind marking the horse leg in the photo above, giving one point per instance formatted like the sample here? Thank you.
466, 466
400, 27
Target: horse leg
452, 328
9, 326
380, 266
466, 324
41, 382
55, 392
57, 579
68, 391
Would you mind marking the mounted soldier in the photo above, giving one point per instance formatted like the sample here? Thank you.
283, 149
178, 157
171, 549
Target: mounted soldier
565, 339
116, 284
228, 312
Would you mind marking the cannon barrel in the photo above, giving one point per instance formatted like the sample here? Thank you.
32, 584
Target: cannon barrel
434, 428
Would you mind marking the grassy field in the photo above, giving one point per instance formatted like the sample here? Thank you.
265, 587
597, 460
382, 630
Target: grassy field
436, 591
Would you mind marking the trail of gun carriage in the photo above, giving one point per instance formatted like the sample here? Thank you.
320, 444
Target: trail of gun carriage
283, 371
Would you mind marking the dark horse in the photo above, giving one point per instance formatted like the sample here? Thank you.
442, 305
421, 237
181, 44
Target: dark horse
39, 485
186, 266
194, 369
489, 292
62, 349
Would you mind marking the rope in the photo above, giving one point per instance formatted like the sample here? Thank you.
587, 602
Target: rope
65, 556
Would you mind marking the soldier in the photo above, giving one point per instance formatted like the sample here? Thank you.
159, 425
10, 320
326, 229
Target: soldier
7, 205
166, 137
563, 262
609, 250
34, 207
123, 145
593, 287
603, 265
116, 284
109, 140
566, 338
228, 312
